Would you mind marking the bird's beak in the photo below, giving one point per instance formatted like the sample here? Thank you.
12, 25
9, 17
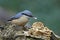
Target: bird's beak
34, 17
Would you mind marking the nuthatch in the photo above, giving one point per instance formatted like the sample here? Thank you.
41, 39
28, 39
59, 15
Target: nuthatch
21, 18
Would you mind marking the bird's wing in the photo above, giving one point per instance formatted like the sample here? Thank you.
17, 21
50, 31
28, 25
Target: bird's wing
18, 15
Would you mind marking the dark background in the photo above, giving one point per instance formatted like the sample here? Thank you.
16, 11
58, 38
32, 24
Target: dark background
47, 11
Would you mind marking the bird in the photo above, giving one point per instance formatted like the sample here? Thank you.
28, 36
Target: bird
21, 18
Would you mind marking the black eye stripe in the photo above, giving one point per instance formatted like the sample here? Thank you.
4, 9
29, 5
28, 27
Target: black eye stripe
27, 15
24, 14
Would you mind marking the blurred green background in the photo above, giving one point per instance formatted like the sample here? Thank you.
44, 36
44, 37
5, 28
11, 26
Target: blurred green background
47, 11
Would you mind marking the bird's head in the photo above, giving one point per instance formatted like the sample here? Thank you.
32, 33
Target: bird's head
28, 14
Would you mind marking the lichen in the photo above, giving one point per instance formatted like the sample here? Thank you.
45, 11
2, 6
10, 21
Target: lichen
39, 31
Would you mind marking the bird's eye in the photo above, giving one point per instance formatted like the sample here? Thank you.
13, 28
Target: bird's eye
22, 13
25, 14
